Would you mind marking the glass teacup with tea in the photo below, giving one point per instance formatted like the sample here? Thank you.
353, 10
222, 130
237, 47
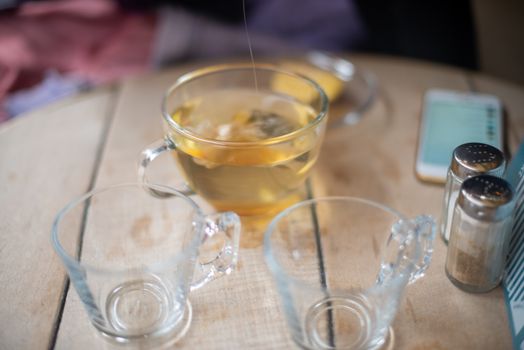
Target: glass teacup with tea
244, 137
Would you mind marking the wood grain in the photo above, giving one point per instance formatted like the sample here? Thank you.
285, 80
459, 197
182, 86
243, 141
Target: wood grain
46, 158
373, 159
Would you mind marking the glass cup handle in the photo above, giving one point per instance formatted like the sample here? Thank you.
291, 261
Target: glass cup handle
148, 155
409, 250
425, 227
228, 225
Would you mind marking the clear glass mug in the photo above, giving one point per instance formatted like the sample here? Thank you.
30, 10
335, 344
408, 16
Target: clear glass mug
244, 138
132, 256
341, 265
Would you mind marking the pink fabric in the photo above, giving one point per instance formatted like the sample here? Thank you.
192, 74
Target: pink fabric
89, 39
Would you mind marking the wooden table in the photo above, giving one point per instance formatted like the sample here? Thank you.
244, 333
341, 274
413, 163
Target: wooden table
54, 154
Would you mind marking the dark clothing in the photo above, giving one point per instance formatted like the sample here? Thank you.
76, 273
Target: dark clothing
437, 30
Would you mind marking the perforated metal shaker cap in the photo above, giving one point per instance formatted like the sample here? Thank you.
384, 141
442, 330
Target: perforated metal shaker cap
474, 158
486, 198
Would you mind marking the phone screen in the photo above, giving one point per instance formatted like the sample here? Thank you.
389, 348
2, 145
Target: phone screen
451, 119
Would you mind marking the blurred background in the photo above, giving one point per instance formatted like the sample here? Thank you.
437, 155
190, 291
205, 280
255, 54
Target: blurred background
50, 49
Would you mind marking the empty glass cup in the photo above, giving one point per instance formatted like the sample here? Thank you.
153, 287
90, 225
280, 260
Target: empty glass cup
341, 265
131, 256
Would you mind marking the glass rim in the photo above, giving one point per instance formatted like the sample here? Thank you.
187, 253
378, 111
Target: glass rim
222, 68
70, 260
273, 262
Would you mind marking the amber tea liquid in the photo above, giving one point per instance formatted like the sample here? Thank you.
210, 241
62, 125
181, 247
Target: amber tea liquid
253, 167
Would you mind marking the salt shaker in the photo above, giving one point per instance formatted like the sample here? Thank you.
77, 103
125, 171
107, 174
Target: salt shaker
468, 160
480, 232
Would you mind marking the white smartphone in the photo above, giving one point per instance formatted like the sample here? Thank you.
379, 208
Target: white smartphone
449, 119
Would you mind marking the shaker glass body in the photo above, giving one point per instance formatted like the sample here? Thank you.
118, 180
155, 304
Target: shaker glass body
451, 192
468, 160
479, 234
476, 252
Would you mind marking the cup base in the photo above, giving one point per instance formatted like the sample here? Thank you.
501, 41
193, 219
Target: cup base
346, 323
389, 342
159, 340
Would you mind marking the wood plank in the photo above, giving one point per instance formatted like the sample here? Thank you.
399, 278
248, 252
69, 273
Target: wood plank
46, 158
238, 311
376, 159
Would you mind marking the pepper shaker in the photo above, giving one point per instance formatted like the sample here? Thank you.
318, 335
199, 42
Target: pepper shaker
468, 160
480, 232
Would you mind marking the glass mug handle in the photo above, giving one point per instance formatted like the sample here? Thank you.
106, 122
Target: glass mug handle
228, 226
426, 228
409, 250
148, 155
